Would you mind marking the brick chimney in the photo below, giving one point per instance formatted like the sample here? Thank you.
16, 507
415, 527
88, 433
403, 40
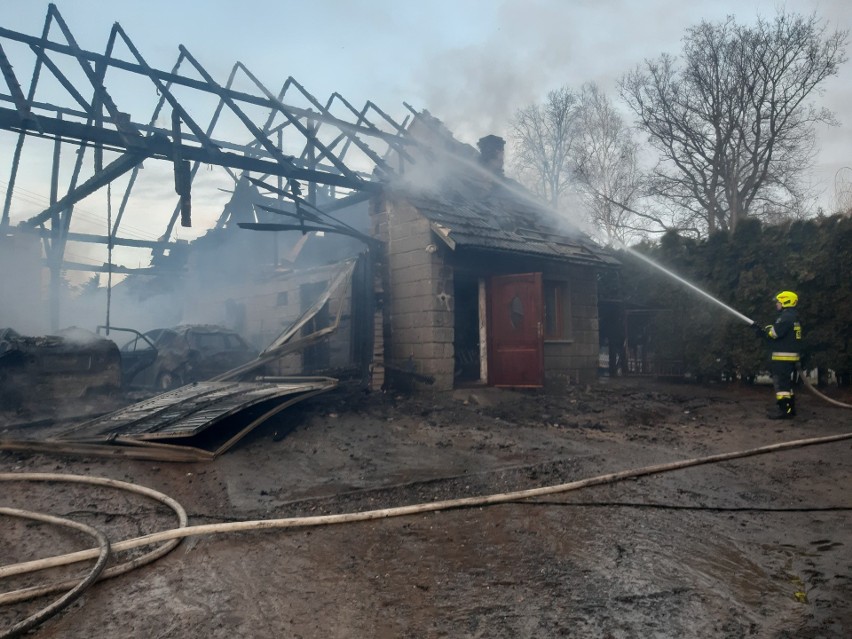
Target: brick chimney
491, 153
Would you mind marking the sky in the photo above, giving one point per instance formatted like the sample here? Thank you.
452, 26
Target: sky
471, 63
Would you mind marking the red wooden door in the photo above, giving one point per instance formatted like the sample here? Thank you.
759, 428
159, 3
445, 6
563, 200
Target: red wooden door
516, 357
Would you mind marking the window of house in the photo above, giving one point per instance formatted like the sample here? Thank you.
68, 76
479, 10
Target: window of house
557, 311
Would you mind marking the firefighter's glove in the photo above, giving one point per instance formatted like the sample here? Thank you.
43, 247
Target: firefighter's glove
758, 330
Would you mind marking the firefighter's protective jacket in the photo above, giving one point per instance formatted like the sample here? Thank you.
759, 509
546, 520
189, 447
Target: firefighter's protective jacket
785, 336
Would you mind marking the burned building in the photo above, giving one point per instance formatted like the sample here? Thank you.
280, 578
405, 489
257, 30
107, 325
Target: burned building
383, 247
469, 279
352, 246
485, 283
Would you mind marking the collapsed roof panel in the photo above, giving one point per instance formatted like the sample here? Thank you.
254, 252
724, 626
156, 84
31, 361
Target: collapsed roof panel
191, 423
186, 411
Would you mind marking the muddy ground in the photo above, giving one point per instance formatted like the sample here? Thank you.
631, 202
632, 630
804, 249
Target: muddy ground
756, 547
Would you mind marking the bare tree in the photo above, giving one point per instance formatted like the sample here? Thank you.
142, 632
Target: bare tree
543, 136
576, 142
732, 122
606, 169
843, 190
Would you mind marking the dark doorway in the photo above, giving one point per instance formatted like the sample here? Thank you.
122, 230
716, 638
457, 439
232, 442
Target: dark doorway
466, 335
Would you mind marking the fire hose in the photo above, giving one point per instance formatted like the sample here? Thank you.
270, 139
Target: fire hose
103, 552
729, 309
103, 556
813, 390
173, 537
799, 372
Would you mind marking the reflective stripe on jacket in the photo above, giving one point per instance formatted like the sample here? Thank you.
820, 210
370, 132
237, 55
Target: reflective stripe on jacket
778, 356
786, 336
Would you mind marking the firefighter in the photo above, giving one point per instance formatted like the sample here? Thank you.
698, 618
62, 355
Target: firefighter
785, 338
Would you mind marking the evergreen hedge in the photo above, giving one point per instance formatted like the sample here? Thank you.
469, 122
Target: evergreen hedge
744, 269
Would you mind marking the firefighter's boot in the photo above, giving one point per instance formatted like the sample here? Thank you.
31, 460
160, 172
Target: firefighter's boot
793, 406
784, 409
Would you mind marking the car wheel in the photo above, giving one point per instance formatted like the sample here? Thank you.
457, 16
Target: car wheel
167, 380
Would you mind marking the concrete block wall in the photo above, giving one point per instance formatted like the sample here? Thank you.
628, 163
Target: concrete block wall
420, 303
576, 360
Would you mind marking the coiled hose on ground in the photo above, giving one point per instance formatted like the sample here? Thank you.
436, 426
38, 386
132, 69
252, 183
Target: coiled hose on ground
173, 537
103, 556
103, 552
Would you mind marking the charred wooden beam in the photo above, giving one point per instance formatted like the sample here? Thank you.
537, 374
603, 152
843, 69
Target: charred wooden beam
161, 147
201, 86
110, 172
91, 238
115, 268
306, 131
327, 207
304, 228
21, 103
166, 93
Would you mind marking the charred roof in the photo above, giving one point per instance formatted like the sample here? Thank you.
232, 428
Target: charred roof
472, 205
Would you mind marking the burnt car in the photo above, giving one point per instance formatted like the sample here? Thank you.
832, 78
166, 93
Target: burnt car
183, 354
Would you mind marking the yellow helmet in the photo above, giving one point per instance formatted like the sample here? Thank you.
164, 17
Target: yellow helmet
787, 299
